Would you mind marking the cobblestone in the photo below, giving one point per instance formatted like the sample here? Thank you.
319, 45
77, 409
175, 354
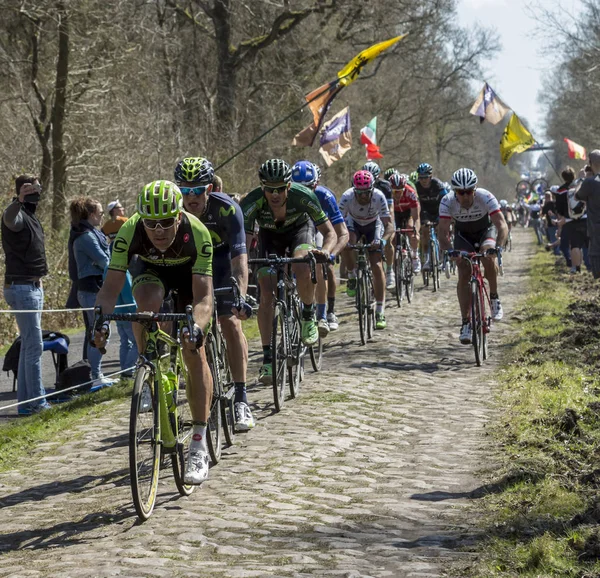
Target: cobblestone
369, 473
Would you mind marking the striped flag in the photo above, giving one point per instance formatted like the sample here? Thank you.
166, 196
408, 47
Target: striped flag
576, 151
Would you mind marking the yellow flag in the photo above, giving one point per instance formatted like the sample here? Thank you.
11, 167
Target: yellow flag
349, 73
516, 139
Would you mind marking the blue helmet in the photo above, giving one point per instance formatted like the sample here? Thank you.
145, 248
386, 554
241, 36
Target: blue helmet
305, 173
425, 170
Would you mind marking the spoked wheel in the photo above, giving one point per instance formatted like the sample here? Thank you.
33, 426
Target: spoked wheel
316, 355
435, 272
280, 355
215, 425
370, 306
398, 268
296, 358
476, 323
408, 279
144, 446
227, 405
487, 323
184, 437
362, 306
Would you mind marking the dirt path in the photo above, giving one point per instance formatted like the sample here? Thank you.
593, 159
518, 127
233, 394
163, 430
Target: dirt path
369, 473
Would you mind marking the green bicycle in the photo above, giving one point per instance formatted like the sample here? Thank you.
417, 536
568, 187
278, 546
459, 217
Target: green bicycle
160, 419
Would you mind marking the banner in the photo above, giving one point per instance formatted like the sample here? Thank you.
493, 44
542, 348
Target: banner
336, 137
349, 73
488, 106
576, 151
516, 139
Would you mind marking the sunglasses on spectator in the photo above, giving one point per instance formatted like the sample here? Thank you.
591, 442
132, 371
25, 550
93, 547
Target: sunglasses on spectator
363, 191
280, 189
462, 192
198, 190
162, 223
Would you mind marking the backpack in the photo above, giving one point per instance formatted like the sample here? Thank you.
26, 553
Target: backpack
575, 206
76, 374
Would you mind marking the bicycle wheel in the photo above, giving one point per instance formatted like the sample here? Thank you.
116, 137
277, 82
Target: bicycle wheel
295, 360
509, 242
476, 323
144, 446
361, 305
408, 279
435, 274
227, 409
316, 355
280, 354
398, 277
214, 426
370, 305
486, 324
184, 436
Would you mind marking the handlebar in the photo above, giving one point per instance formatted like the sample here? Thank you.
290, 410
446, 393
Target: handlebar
279, 262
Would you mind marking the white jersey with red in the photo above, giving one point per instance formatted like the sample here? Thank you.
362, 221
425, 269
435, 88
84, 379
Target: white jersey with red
364, 214
405, 200
476, 218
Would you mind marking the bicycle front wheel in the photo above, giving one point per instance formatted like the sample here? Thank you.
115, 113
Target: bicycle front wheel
408, 278
398, 268
370, 293
435, 272
476, 323
144, 446
296, 358
184, 436
279, 351
361, 306
214, 426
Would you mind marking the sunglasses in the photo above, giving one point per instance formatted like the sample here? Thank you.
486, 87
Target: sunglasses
162, 223
424, 177
462, 192
198, 190
280, 189
363, 191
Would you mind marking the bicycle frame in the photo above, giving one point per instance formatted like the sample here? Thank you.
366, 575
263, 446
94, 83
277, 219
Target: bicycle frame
363, 272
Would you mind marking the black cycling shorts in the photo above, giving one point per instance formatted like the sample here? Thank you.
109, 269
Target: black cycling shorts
222, 278
371, 232
401, 218
171, 278
472, 242
272, 243
425, 217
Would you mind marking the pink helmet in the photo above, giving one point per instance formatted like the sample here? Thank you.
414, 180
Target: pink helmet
363, 180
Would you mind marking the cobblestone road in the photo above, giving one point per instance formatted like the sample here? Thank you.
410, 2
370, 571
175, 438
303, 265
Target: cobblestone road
369, 473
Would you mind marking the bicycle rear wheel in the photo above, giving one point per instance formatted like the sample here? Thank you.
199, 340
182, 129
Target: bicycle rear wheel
227, 406
280, 354
214, 426
296, 358
398, 268
408, 279
144, 446
361, 305
316, 355
435, 272
476, 323
184, 436
370, 305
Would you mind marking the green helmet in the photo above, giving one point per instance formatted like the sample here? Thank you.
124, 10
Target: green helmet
388, 173
414, 176
194, 170
159, 200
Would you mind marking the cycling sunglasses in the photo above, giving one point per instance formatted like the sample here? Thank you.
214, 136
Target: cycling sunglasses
162, 223
424, 177
462, 192
198, 190
363, 191
280, 189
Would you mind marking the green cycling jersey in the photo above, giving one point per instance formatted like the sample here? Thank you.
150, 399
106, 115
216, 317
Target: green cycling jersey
301, 205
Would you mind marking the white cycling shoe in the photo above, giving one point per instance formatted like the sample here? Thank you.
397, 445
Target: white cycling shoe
497, 312
196, 470
243, 417
465, 334
416, 263
390, 281
323, 328
332, 320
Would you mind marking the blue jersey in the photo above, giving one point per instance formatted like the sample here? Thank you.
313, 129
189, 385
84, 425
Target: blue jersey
329, 204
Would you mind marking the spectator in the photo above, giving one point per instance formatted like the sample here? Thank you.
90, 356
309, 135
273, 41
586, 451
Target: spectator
92, 254
25, 259
589, 191
128, 351
549, 213
116, 212
535, 210
562, 210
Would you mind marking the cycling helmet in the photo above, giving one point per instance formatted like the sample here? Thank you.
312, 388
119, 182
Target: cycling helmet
159, 200
275, 172
503, 203
196, 170
414, 176
388, 173
424, 170
363, 180
373, 168
397, 181
304, 172
318, 171
464, 179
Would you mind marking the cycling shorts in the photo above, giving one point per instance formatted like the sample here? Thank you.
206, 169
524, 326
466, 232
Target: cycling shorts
222, 278
170, 278
272, 243
373, 232
425, 217
479, 240
402, 218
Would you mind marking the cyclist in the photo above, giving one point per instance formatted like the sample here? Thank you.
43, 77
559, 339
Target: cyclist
509, 216
430, 192
174, 251
479, 225
384, 186
367, 215
389, 172
287, 214
306, 173
406, 213
225, 222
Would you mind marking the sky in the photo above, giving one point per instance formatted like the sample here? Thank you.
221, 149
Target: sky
517, 71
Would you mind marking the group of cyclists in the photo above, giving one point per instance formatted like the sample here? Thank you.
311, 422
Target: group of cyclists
188, 238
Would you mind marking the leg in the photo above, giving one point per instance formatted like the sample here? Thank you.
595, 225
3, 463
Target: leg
200, 383
149, 296
267, 283
378, 276
237, 346
87, 299
463, 290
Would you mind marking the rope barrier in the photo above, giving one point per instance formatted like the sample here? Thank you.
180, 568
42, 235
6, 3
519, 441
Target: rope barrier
59, 310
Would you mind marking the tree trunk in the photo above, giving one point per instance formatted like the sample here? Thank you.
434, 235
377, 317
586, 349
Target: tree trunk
59, 156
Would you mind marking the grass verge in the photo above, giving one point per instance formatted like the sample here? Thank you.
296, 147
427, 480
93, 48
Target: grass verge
542, 507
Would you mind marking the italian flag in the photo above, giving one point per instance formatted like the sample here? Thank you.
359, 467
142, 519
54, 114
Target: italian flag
368, 137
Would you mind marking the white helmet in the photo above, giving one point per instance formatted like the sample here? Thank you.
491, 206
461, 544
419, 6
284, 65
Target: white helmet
503, 203
464, 179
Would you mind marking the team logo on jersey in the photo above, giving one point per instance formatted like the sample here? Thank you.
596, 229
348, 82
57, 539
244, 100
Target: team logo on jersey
223, 212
